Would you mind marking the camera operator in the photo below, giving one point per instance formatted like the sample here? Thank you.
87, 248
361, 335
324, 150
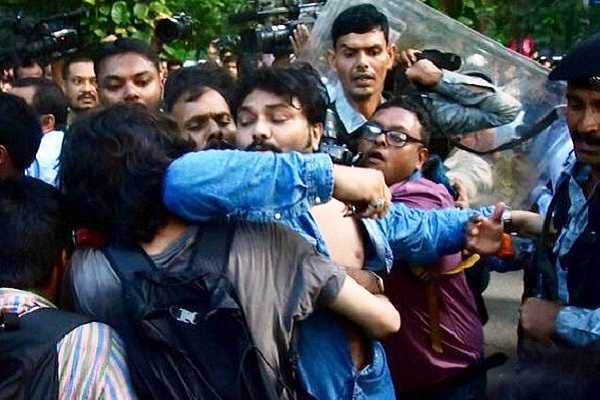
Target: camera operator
362, 56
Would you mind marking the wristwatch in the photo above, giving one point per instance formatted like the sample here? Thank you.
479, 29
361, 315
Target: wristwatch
378, 281
507, 219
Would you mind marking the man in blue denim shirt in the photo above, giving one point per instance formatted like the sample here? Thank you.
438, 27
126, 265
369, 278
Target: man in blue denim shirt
283, 110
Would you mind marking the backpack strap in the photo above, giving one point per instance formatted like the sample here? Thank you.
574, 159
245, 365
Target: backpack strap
28, 351
210, 246
126, 262
47, 324
545, 280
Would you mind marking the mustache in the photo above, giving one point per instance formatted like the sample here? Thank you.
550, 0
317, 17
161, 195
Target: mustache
81, 96
263, 146
585, 138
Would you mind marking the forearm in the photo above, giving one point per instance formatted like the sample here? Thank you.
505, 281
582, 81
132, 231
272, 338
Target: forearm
527, 223
423, 236
374, 313
246, 185
465, 104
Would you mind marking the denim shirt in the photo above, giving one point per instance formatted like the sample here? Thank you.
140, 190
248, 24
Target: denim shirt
282, 187
457, 103
268, 187
577, 326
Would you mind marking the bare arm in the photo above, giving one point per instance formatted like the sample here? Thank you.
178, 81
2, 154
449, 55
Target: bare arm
528, 223
374, 313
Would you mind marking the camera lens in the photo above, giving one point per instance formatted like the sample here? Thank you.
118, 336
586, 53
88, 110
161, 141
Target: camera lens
176, 27
275, 39
167, 29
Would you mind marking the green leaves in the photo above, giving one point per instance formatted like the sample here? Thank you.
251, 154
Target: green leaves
119, 13
141, 11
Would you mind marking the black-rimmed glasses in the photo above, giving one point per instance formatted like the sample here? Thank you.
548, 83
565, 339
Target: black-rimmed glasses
370, 131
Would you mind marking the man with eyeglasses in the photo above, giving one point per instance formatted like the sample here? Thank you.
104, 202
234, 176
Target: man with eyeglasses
441, 329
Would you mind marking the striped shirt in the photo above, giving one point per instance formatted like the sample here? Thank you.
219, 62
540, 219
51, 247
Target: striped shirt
91, 358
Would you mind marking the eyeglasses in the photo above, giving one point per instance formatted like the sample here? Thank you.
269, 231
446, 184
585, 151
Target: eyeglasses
370, 131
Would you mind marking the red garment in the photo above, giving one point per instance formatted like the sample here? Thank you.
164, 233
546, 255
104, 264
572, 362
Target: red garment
413, 363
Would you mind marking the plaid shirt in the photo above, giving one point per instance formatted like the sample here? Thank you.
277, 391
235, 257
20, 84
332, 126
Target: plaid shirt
91, 358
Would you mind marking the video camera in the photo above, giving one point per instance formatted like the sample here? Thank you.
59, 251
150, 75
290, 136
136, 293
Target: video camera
272, 24
42, 39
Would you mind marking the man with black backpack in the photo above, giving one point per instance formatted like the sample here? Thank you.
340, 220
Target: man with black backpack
46, 352
208, 310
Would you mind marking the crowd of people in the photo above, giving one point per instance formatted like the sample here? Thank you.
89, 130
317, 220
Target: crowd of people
183, 233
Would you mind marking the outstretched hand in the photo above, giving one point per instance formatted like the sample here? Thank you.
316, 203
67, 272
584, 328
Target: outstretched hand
484, 235
362, 189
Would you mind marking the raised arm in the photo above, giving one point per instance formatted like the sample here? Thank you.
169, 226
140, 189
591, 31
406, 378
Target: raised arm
246, 185
265, 186
460, 103
474, 103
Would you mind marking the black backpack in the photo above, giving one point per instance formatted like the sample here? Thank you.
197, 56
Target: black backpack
186, 335
28, 357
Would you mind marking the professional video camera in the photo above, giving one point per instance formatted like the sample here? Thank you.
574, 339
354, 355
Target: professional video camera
42, 39
179, 26
269, 24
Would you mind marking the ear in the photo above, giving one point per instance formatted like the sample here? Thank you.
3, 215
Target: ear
392, 50
422, 156
331, 59
48, 122
316, 132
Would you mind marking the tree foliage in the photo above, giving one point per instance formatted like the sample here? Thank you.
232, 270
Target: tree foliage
555, 25
128, 18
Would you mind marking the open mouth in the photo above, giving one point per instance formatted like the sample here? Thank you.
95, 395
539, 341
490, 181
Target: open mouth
375, 157
363, 80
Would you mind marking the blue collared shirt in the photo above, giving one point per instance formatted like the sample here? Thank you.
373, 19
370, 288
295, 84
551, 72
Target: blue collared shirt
577, 326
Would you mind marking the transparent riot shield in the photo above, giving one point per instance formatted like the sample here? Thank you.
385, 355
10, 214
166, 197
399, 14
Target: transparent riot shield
519, 170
